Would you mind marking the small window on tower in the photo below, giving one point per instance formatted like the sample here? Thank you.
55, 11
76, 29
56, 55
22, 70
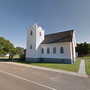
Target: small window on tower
40, 33
30, 46
31, 32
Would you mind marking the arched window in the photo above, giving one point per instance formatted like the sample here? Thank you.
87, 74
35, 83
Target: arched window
31, 32
54, 50
48, 50
62, 50
42, 50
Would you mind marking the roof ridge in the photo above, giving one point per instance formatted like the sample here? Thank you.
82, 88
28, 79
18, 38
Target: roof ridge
60, 32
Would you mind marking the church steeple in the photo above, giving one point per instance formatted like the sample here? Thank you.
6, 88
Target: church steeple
34, 26
35, 36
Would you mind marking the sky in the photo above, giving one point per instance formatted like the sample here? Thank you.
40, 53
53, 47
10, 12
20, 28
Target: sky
52, 15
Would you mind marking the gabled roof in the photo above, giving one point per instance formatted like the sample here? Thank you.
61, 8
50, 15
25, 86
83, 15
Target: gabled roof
65, 36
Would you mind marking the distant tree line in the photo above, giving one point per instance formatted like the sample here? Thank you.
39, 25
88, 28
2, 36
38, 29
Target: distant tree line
6, 47
83, 49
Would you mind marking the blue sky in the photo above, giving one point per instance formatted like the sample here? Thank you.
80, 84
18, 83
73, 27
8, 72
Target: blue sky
52, 15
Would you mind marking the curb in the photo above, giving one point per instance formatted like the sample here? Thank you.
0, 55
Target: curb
61, 71
49, 69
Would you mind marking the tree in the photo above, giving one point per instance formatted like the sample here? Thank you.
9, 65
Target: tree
19, 50
6, 47
12, 52
89, 48
83, 49
22, 56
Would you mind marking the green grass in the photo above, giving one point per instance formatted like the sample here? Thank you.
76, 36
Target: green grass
16, 56
6, 57
67, 67
87, 64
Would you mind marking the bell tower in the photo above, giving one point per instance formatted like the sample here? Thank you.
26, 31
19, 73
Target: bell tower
35, 36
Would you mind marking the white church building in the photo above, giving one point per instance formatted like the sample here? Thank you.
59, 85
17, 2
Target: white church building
56, 47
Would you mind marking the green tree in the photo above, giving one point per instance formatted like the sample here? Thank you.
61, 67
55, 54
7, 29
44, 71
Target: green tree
83, 49
6, 47
19, 50
12, 52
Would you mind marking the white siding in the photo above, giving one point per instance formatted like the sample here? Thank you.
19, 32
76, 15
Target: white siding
67, 50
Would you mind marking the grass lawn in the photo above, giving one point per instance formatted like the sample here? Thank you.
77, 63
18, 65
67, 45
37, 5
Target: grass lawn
4, 57
7, 57
87, 64
67, 67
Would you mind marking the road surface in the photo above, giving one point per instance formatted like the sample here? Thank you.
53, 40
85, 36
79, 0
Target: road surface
15, 77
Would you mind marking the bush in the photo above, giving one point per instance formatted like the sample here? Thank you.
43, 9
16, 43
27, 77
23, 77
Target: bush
22, 56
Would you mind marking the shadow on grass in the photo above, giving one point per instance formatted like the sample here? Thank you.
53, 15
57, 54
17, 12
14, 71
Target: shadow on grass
4, 60
18, 60
12, 60
27, 62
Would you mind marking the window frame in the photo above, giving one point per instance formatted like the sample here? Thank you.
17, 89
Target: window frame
42, 51
54, 50
48, 50
62, 50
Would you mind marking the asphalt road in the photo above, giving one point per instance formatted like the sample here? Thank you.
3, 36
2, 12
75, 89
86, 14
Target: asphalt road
14, 77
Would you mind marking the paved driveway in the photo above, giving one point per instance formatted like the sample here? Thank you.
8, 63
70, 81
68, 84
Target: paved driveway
14, 77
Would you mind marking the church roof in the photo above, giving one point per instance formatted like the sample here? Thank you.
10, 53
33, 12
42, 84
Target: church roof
65, 36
